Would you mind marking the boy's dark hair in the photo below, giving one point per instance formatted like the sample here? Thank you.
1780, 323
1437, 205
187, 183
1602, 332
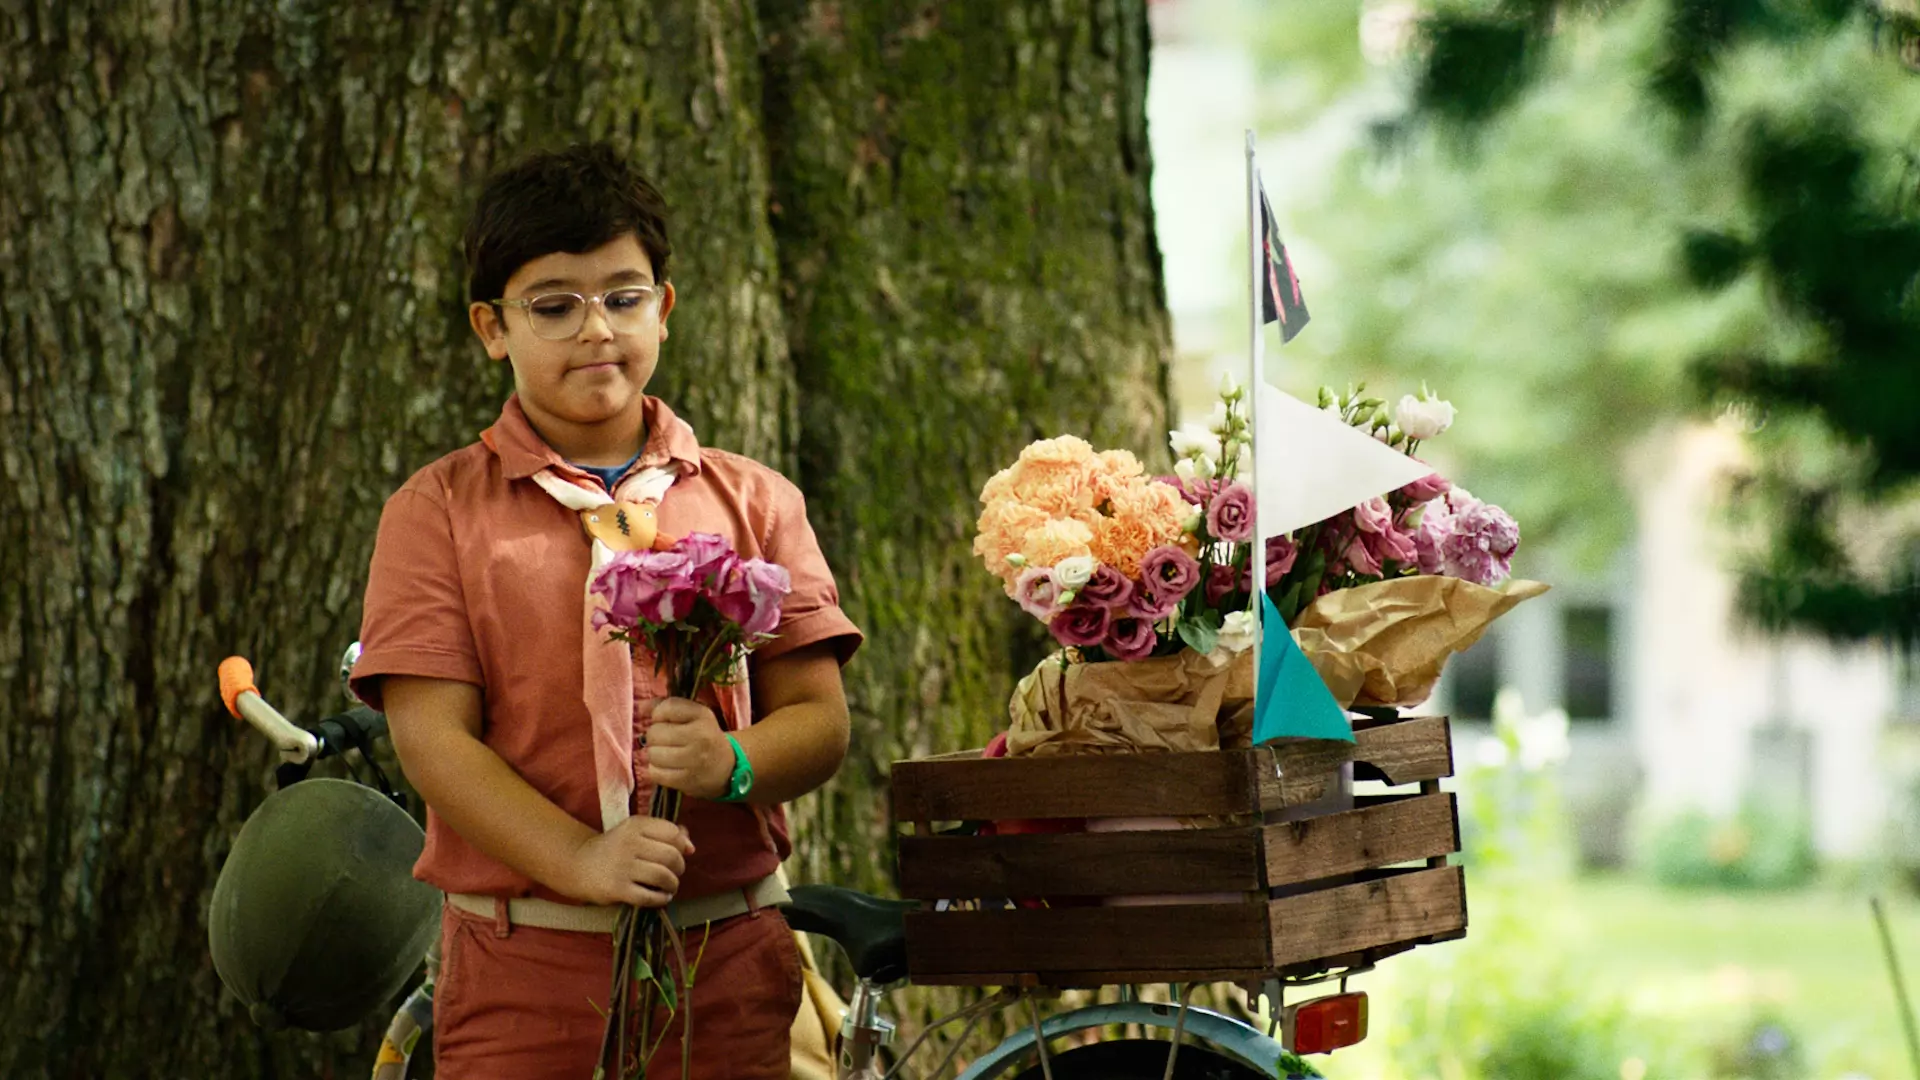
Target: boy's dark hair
571, 200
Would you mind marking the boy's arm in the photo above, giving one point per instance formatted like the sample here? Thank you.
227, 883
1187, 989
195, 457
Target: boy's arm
435, 728
795, 746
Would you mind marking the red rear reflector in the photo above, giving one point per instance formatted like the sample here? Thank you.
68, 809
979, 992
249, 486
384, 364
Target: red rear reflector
1328, 1023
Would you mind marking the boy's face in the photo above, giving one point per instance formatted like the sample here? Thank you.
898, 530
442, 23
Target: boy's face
596, 377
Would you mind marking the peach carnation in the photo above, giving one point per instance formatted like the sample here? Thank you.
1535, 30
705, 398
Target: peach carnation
1061, 538
1003, 527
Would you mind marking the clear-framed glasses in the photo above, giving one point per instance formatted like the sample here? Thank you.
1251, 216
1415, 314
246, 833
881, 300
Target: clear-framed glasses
558, 316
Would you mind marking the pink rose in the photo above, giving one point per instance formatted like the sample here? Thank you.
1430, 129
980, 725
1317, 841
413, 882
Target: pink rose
1425, 489
1130, 639
1108, 588
1081, 624
654, 586
1169, 573
1281, 553
1373, 516
767, 586
1230, 514
1034, 590
1481, 546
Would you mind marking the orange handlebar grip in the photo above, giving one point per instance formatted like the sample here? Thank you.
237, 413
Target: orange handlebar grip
236, 678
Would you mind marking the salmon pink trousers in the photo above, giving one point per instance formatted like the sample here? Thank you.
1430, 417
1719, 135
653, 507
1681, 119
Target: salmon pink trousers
528, 1003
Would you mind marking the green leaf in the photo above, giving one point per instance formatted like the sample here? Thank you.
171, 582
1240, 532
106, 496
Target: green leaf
668, 994
1199, 636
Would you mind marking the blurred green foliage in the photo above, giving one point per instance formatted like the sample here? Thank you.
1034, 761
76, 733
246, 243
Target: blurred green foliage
1583, 219
1761, 847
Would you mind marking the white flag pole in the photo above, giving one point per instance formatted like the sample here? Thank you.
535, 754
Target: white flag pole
1255, 389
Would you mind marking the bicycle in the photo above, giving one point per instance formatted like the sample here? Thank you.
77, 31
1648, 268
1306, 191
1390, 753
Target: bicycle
1198, 1043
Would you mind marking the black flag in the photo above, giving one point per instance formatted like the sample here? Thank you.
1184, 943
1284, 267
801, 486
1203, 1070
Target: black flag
1281, 298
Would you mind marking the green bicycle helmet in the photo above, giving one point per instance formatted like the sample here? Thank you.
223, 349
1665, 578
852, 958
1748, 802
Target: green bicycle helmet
317, 919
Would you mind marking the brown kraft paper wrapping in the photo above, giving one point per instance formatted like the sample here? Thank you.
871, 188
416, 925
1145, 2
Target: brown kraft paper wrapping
1181, 702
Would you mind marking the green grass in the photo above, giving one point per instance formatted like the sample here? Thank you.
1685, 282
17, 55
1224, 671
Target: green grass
1686, 967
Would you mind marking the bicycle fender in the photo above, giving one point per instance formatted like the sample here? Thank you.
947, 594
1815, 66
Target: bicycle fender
1232, 1037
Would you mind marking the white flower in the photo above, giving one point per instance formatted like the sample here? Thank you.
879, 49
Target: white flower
1206, 466
1423, 419
1072, 573
1238, 633
1220, 421
1191, 526
1185, 470
1229, 390
1191, 444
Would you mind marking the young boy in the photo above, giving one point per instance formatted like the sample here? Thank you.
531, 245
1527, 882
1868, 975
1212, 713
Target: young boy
476, 645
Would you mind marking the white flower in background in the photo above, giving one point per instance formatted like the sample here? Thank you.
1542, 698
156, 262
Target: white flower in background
1423, 419
1073, 572
1229, 390
1237, 634
1192, 444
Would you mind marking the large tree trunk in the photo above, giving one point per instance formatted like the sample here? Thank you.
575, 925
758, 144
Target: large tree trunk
909, 238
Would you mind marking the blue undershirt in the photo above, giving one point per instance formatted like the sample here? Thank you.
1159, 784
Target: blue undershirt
609, 474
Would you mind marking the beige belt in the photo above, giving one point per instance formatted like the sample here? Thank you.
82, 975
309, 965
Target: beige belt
769, 891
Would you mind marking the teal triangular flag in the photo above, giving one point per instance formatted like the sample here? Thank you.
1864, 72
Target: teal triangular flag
1291, 700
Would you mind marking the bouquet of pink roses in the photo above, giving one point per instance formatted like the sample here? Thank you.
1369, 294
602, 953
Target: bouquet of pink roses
698, 609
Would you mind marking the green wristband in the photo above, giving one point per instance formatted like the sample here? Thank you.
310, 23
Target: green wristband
742, 780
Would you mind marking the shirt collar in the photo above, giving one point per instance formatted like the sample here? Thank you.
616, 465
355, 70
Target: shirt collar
522, 452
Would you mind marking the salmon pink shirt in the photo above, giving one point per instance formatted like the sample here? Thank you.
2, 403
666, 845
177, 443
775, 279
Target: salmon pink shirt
479, 576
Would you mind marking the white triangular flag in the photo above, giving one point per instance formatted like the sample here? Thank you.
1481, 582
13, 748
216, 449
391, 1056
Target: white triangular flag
1313, 466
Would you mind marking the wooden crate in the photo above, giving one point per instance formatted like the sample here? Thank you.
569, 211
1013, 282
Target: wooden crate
1317, 893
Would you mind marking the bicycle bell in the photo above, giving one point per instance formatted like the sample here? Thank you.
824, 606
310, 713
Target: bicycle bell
317, 919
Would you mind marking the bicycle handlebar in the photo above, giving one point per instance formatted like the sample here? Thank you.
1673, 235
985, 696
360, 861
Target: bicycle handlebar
243, 700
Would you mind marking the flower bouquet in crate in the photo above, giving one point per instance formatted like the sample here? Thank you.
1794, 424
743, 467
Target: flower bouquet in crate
1148, 585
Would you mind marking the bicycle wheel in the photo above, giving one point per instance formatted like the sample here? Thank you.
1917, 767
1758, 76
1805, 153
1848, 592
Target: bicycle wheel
1142, 1059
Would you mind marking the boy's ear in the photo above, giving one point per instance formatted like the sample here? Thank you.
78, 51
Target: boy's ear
666, 306
485, 320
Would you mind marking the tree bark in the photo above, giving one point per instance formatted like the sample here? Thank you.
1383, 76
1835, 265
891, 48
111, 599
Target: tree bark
909, 238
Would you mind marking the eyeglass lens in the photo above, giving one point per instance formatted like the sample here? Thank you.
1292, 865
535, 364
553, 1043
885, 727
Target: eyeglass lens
561, 315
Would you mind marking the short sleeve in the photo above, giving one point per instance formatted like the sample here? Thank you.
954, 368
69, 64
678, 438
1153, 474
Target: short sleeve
415, 620
812, 612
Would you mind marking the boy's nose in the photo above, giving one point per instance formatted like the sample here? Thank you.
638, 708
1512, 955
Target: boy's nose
595, 325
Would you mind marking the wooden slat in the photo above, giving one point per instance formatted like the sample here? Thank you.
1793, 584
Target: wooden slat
1405, 752
1368, 914
1378, 834
1075, 786
1080, 864
1298, 772
1160, 938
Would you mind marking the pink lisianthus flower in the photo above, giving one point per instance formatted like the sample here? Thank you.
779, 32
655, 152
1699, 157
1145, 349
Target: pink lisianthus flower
654, 586
1396, 546
1425, 489
767, 586
1359, 560
1430, 536
1129, 638
1373, 516
1081, 624
1108, 588
1230, 514
1222, 581
1169, 573
1148, 604
1281, 553
1036, 593
710, 558
1480, 548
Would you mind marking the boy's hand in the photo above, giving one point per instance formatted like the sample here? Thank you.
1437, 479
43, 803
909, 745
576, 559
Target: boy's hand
638, 861
687, 751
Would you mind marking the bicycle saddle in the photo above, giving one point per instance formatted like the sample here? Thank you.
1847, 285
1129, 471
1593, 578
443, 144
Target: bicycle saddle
872, 930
